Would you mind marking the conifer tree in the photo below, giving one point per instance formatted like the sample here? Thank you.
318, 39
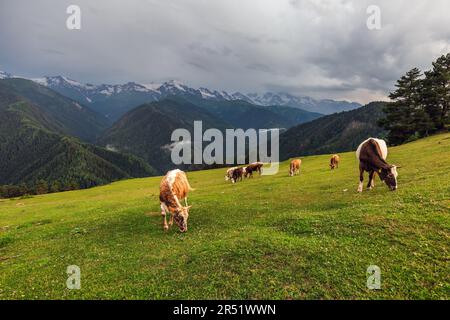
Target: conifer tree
406, 108
436, 93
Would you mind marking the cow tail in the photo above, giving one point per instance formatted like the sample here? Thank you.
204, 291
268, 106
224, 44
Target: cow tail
189, 186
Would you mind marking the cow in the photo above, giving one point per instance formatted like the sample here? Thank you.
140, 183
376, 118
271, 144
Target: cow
254, 167
174, 187
237, 175
229, 173
294, 167
334, 162
372, 154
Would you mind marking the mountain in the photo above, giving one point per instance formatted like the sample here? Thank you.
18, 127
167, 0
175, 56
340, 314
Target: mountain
146, 131
69, 116
306, 103
5, 75
245, 115
338, 132
113, 101
33, 146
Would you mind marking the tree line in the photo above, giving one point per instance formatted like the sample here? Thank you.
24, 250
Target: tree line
39, 187
420, 104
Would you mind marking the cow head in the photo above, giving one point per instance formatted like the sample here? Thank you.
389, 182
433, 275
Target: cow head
181, 217
389, 176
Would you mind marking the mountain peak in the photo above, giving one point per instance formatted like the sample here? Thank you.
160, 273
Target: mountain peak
5, 75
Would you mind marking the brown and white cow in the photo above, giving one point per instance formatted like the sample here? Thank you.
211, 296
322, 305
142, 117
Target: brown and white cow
237, 175
294, 167
372, 154
334, 162
229, 173
174, 187
254, 167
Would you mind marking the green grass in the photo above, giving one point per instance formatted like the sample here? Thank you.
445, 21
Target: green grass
273, 237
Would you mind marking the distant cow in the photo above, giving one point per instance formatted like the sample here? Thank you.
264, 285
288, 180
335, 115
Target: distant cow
234, 174
372, 155
294, 167
334, 162
254, 167
174, 187
229, 173
237, 175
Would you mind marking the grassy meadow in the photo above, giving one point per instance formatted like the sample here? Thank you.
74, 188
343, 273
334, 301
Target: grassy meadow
272, 237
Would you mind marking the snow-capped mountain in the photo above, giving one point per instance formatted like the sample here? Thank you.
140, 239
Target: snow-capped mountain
5, 75
325, 106
115, 100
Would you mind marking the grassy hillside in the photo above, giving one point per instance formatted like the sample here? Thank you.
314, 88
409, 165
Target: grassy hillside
308, 237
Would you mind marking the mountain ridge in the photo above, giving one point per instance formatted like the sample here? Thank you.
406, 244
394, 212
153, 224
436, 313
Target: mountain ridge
339, 132
105, 98
35, 146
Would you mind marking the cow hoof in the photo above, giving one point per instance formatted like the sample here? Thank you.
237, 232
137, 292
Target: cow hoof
360, 190
166, 228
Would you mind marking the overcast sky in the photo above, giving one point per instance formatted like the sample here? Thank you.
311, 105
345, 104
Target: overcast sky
320, 48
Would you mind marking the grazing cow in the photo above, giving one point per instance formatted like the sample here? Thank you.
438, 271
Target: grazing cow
334, 162
294, 167
229, 173
372, 155
237, 175
254, 167
174, 187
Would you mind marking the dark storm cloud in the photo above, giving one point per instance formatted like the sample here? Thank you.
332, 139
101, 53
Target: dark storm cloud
307, 47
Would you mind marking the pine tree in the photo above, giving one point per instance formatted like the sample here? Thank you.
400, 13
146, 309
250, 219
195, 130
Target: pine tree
41, 187
436, 93
55, 186
406, 108
23, 189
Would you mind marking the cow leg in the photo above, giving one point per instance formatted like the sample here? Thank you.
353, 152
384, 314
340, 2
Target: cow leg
163, 213
373, 180
371, 184
171, 220
185, 202
361, 180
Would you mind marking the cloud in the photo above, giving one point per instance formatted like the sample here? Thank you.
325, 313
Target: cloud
320, 48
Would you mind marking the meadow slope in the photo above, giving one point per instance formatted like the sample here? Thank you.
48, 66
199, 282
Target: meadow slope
273, 237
